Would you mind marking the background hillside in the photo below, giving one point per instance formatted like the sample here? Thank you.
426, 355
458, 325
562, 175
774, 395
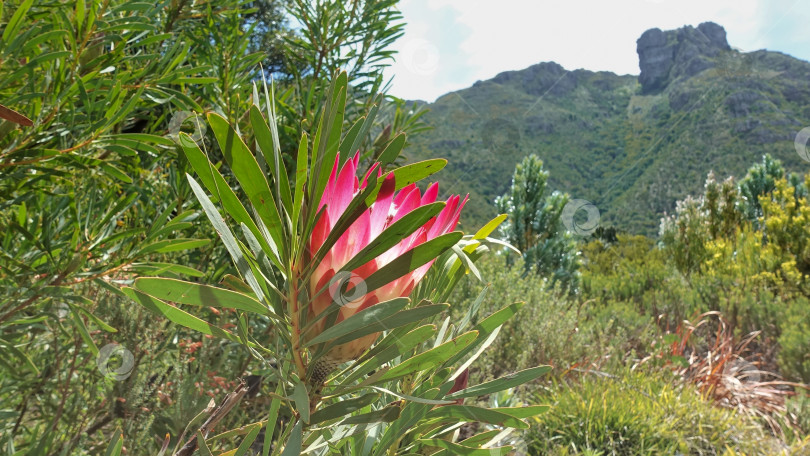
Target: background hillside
632, 145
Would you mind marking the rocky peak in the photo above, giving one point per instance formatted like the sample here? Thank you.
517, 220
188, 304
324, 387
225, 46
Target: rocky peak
666, 55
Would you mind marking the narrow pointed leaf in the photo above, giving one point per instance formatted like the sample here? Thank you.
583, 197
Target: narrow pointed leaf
364, 318
343, 408
227, 237
249, 174
301, 401
266, 141
218, 187
486, 329
412, 259
384, 415
248, 441
178, 316
198, 294
524, 412
483, 415
392, 150
500, 384
432, 357
458, 449
293, 446
392, 235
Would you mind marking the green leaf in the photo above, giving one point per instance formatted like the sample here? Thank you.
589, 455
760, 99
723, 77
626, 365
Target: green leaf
392, 150
414, 172
433, 357
173, 245
26, 361
116, 443
178, 316
368, 121
217, 186
486, 330
389, 348
272, 416
470, 413
323, 156
293, 446
301, 399
94, 319
362, 319
491, 226
267, 144
226, 235
392, 235
500, 384
197, 294
525, 411
146, 138
250, 176
83, 331
248, 441
468, 263
300, 179
204, 450
16, 18
455, 448
400, 318
411, 260
343, 408
420, 400
384, 415
158, 268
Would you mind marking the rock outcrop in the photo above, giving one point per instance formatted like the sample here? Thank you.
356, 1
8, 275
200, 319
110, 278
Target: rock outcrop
666, 56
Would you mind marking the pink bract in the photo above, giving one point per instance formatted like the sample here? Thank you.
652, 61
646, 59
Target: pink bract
389, 207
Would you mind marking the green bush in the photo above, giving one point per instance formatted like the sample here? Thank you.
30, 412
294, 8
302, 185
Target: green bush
552, 327
794, 357
638, 414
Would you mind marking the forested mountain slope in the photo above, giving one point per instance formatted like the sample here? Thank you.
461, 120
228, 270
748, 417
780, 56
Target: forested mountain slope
632, 145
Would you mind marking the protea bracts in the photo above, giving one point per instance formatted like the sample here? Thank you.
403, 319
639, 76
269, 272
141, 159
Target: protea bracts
346, 289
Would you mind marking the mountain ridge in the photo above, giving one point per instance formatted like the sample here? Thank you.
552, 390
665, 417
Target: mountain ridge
631, 144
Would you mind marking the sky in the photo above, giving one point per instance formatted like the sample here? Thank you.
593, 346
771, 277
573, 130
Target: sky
450, 44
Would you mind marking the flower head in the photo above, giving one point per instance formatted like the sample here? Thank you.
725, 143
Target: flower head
388, 207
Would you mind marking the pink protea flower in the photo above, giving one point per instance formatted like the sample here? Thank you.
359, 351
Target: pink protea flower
387, 209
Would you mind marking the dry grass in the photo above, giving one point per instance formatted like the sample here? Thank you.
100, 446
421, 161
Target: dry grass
725, 369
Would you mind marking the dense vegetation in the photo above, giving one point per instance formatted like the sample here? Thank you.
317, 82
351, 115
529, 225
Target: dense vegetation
169, 206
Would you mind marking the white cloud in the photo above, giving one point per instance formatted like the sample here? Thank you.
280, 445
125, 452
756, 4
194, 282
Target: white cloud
450, 44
